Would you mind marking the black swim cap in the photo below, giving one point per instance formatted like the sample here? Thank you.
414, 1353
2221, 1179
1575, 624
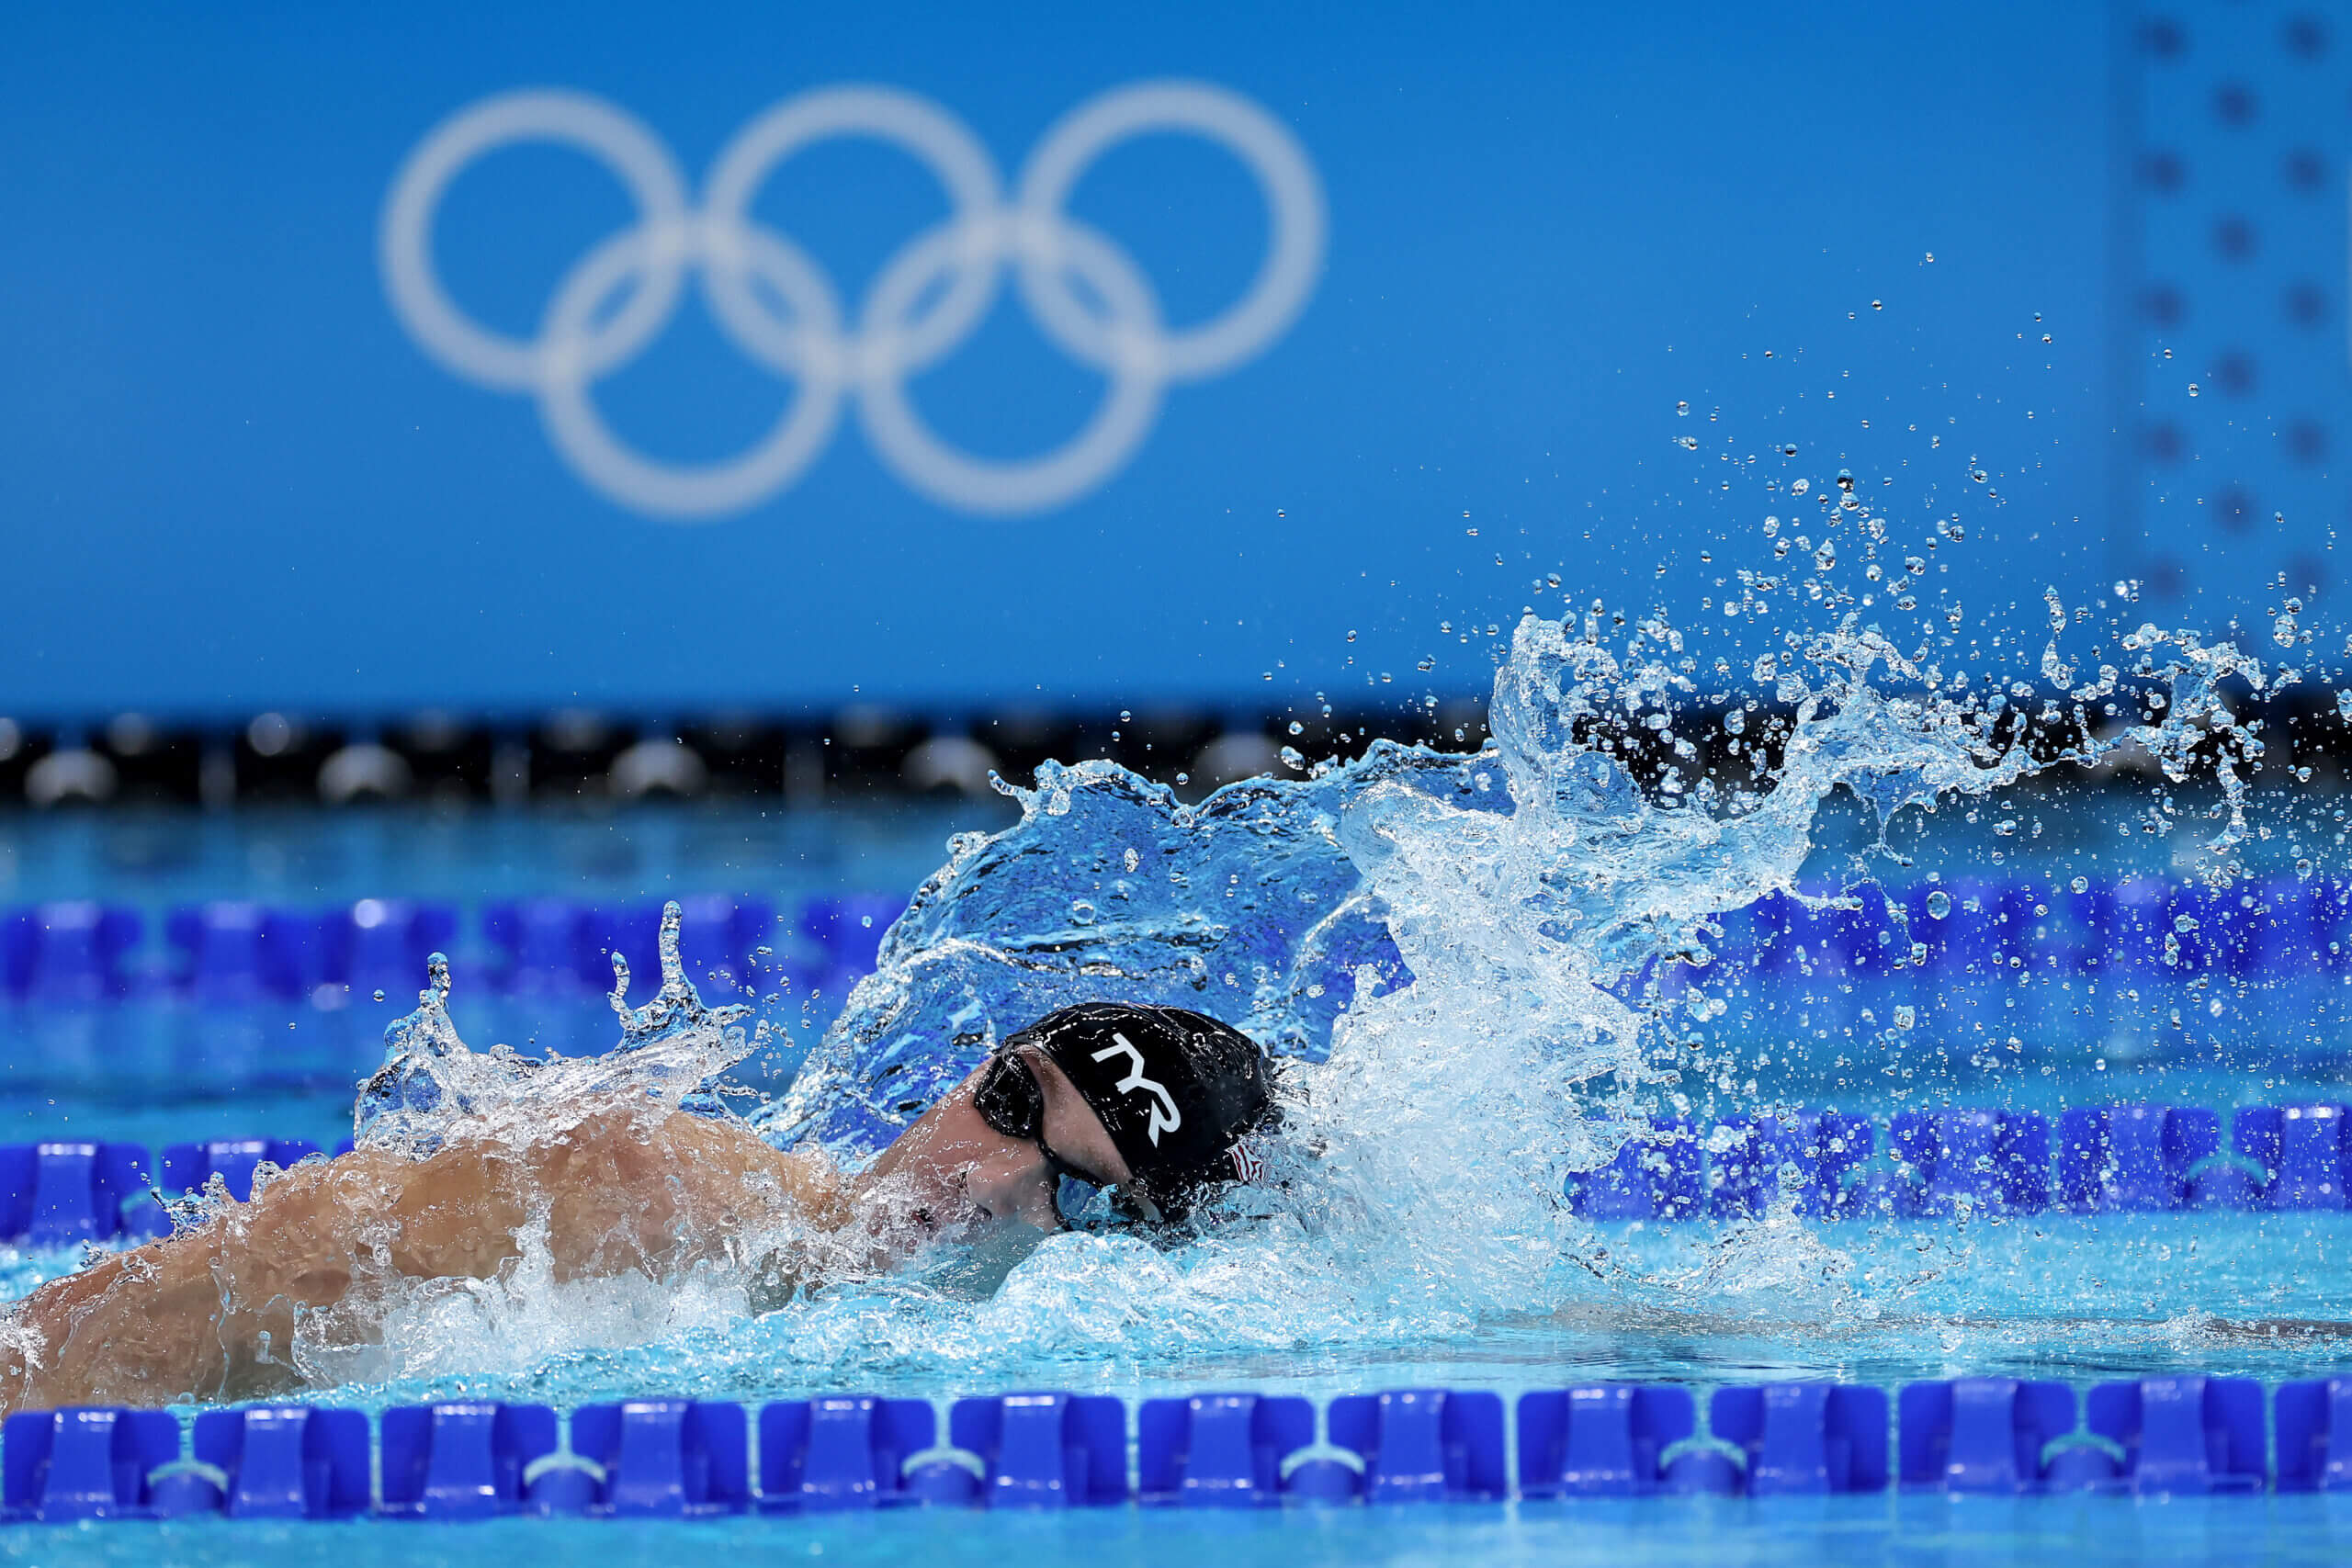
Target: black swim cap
1177, 1092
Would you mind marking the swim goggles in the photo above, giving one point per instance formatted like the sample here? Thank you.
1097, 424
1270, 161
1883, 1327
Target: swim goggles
1010, 1101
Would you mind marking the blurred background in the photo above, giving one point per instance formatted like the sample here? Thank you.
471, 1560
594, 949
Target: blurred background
469, 476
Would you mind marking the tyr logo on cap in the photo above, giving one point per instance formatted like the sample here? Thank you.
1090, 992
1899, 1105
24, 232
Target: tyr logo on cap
1165, 1117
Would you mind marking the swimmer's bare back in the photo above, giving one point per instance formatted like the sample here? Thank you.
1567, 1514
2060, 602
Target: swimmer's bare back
210, 1313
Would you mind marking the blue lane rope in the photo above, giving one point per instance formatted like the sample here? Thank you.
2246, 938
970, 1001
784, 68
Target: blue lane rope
659, 1458
1827, 1165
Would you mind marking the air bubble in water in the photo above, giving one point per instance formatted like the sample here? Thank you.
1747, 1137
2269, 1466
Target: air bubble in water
2080, 885
1978, 475
1689, 443
1798, 487
380, 995
1906, 1017
2192, 389
1939, 904
1682, 409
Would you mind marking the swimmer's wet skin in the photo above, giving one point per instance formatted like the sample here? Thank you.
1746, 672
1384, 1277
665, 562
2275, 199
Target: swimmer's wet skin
1152, 1101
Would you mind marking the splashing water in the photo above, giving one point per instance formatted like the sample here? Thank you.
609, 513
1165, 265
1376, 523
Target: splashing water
432, 1086
1467, 959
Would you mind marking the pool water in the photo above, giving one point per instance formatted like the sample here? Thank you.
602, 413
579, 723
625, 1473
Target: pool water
1911, 1530
1442, 1253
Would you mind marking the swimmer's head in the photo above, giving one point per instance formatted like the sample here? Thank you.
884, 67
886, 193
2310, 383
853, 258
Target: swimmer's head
1153, 1103
1177, 1093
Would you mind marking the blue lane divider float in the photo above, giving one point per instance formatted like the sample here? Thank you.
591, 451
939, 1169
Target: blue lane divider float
1994, 1160
462, 1460
662, 1458
83, 1464
688, 1459
2314, 1431
1984, 1434
1825, 1149
1046, 1451
1224, 1451
65, 1192
2184, 1434
280, 1462
1423, 1444
1805, 1438
846, 1452
1610, 1440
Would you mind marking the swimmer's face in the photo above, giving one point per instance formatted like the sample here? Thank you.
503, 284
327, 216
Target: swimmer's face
961, 1171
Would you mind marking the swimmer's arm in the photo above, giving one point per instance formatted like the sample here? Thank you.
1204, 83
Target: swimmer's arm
210, 1313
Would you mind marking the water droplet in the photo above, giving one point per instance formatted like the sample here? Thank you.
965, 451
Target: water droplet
1878, 304
1687, 443
1296, 727
1351, 636
1081, 913
2080, 885
380, 995
1292, 759
1939, 904
2192, 389
1904, 1017
1978, 475
1798, 487
1682, 409
1184, 778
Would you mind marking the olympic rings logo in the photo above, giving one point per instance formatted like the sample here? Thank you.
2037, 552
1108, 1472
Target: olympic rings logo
772, 303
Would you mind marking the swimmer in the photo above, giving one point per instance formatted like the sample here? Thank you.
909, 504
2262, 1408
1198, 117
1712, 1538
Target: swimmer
1153, 1103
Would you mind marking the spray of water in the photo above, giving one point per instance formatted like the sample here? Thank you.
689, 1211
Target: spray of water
1470, 960
432, 1087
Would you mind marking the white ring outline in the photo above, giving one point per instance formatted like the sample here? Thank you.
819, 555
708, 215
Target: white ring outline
1266, 147
678, 490
1046, 245
1008, 487
618, 139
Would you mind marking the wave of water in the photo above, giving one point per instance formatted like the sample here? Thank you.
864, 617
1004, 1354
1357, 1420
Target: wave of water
1472, 960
